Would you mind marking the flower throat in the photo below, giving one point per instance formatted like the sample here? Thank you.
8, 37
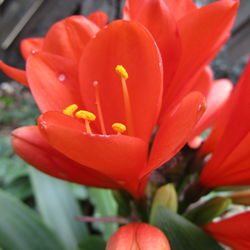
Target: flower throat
89, 117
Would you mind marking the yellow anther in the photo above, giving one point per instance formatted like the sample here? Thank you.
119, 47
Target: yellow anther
70, 109
121, 71
119, 128
86, 115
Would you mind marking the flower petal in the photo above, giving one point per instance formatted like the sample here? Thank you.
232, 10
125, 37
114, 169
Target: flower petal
120, 157
53, 81
30, 44
29, 144
201, 44
100, 18
175, 130
158, 19
232, 231
180, 8
68, 37
128, 44
14, 73
230, 136
216, 99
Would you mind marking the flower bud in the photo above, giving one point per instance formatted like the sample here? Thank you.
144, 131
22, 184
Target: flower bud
138, 236
165, 196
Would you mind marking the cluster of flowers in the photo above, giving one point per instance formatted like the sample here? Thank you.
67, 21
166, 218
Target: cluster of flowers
119, 100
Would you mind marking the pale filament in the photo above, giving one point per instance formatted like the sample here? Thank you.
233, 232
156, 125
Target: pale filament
99, 109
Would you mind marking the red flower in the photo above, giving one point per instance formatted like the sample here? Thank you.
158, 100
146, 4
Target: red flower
229, 142
188, 38
138, 236
100, 157
232, 231
58, 41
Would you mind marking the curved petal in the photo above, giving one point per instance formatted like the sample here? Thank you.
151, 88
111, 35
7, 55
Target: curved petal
158, 19
53, 81
237, 125
29, 144
30, 45
100, 18
68, 37
232, 231
201, 44
175, 130
14, 73
128, 44
180, 8
120, 157
234, 170
216, 99
231, 136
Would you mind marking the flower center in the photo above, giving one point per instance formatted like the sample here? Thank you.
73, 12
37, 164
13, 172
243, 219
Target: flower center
89, 117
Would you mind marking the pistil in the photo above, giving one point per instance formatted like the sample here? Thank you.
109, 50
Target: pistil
99, 109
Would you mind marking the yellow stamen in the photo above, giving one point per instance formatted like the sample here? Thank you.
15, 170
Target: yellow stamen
121, 71
99, 109
70, 109
128, 111
88, 117
119, 128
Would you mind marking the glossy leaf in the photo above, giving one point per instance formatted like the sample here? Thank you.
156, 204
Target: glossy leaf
92, 242
181, 233
105, 206
58, 207
22, 229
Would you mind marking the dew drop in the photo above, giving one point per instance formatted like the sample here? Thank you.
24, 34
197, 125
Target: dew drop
201, 106
61, 77
43, 125
34, 51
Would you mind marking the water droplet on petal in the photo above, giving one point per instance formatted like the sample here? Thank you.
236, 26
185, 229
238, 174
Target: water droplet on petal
61, 77
34, 51
43, 125
201, 107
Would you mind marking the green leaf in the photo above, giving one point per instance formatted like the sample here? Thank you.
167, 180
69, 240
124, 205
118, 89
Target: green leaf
208, 210
59, 208
181, 233
105, 206
20, 188
92, 242
165, 196
22, 229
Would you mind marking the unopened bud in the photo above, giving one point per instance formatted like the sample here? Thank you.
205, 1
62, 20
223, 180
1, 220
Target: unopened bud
138, 236
165, 196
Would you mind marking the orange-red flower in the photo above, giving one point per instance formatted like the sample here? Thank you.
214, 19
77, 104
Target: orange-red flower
99, 156
138, 236
232, 231
65, 38
229, 142
188, 38
78, 68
